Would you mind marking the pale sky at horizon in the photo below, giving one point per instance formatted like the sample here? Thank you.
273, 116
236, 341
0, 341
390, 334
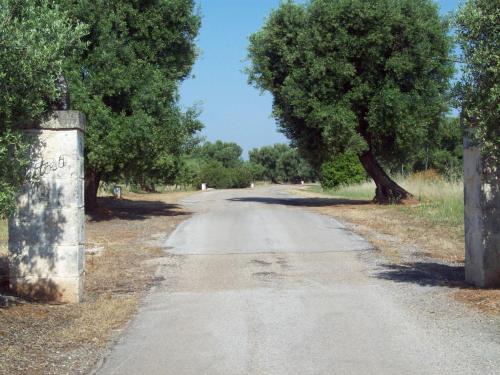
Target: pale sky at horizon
232, 110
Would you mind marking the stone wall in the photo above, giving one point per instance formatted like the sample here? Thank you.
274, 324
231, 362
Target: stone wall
482, 217
46, 234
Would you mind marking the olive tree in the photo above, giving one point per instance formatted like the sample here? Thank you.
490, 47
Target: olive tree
36, 38
126, 81
363, 76
478, 29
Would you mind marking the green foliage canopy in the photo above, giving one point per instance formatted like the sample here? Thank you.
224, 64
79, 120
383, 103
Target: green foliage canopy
368, 77
216, 175
35, 39
227, 153
126, 82
281, 163
218, 164
478, 31
267, 157
343, 170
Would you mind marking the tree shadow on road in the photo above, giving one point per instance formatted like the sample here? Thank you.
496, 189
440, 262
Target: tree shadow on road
304, 202
126, 209
425, 274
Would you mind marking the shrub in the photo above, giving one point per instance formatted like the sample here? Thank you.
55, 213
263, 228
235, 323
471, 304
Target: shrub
344, 169
258, 171
215, 175
241, 177
189, 173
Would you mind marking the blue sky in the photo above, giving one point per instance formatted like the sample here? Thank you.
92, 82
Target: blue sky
231, 109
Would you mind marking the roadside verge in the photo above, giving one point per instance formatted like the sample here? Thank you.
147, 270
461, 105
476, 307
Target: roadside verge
121, 237
410, 248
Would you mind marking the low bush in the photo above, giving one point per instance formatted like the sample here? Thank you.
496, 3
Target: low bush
241, 177
343, 170
215, 175
189, 174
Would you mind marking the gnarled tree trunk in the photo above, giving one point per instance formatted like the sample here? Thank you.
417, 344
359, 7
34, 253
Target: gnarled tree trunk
92, 180
387, 190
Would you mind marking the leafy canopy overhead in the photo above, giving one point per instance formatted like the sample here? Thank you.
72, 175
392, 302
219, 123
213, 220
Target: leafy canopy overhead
478, 25
126, 81
35, 39
354, 75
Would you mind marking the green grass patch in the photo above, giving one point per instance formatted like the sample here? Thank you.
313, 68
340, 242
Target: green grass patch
441, 200
359, 191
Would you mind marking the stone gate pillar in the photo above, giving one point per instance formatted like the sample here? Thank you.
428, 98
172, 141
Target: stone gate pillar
482, 217
46, 233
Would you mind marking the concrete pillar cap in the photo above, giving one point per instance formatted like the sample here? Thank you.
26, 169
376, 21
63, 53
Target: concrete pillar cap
64, 120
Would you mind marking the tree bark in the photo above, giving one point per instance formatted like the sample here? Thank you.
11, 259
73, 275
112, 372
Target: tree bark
387, 191
92, 180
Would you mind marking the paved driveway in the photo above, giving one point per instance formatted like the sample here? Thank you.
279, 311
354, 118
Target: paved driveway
254, 284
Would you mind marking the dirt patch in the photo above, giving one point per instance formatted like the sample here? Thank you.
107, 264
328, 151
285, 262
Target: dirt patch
70, 339
416, 250
487, 300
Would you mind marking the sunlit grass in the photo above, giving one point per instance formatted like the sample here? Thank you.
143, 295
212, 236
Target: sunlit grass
365, 190
441, 200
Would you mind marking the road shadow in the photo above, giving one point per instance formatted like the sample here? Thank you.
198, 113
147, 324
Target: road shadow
304, 202
425, 274
125, 209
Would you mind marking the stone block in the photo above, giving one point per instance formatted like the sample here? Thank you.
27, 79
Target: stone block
60, 289
45, 262
482, 217
46, 233
64, 226
65, 120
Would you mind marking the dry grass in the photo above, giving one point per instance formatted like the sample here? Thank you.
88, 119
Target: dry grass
62, 339
487, 300
441, 200
427, 234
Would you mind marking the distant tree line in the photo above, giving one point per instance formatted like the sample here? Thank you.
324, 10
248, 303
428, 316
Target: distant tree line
281, 164
221, 165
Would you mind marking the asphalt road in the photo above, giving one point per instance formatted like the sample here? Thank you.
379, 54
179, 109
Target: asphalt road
254, 284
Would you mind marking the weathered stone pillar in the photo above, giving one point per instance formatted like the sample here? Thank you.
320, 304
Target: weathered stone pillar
482, 217
46, 233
